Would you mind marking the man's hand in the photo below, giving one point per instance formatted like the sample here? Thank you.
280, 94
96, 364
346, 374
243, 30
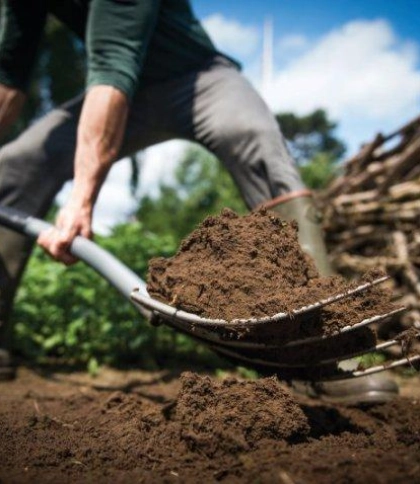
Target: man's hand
70, 222
11, 102
99, 137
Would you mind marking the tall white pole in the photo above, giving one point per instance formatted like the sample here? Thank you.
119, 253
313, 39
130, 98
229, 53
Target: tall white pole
267, 57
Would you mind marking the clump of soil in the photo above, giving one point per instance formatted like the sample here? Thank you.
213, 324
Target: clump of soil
233, 267
252, 266
231, 415
407, 340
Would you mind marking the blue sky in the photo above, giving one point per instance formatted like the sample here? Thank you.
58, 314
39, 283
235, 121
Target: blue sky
314, 18
359, 60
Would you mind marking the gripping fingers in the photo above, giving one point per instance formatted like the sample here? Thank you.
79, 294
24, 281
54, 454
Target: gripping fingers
57, 243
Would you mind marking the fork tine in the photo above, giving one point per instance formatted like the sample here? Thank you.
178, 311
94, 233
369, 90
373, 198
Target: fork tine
327, 361
379, 318
211, 337
339, 375
388, 365
168, 312
379, 347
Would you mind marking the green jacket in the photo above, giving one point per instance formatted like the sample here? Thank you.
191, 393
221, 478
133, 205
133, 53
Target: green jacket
127, 41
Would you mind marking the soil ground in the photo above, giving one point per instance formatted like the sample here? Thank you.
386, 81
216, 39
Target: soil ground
168, 427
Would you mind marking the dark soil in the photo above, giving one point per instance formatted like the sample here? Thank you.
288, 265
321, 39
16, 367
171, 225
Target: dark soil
189, 428
252, 266
157, 428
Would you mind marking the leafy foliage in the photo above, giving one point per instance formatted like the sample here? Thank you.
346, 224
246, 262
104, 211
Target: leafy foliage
310, 135
320, 171
314, 146
71, 314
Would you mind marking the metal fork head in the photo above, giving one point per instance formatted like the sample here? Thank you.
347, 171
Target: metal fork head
320, 361
291, 344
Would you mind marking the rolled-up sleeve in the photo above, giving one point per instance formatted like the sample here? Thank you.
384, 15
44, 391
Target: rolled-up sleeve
21, 26
117, 38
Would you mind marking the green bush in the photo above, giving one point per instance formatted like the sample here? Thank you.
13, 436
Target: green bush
319, 172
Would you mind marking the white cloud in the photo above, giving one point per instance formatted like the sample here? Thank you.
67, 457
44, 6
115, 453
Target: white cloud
232, 37
360, 69
159, 163
115, 203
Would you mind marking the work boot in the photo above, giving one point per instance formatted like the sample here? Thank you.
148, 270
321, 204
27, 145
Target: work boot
7, 368
299, 206
370, 389
374, 388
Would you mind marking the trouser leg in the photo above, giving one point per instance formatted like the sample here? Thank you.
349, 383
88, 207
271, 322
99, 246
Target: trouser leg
232, 121
33, 168
220, 110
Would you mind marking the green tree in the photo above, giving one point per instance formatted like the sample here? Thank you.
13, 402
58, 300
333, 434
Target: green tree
314, 146
201, 187
320, 171
310, 135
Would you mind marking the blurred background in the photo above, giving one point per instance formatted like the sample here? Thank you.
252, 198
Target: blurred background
334, 73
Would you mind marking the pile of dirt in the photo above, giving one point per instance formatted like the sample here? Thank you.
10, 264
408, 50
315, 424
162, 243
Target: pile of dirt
230, 266
198, 428
231, 415
251, 266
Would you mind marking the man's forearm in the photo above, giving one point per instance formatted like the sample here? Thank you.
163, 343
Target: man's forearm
100, 133
11, 102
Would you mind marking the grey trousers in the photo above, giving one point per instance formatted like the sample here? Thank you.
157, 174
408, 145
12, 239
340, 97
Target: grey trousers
215, 107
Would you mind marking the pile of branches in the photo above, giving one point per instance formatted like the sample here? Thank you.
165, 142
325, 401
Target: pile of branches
372, 215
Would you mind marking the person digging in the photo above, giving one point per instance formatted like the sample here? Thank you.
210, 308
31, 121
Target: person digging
153, 75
